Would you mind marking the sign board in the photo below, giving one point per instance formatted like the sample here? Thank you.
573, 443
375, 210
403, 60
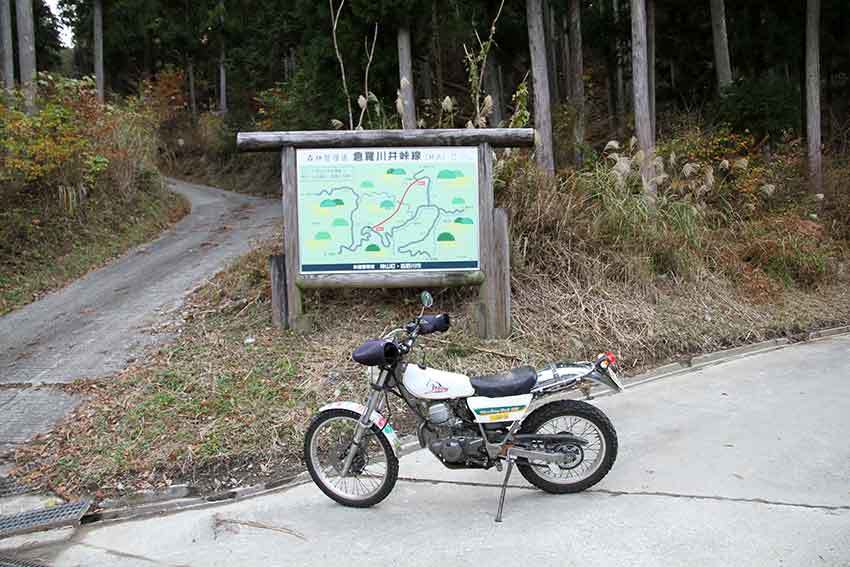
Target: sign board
388, 209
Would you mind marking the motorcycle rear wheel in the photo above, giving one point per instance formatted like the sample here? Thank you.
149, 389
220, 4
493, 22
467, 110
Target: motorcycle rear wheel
374, 470
597, 457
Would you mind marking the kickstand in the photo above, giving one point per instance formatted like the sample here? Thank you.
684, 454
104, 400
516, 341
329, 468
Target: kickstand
504, 488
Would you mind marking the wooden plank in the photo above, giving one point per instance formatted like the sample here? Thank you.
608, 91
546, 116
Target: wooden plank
277, 269
290, 237
390, 279
273, 141
486, 242
502, 270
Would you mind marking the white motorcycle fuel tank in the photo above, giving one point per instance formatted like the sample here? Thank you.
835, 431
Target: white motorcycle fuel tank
432, 384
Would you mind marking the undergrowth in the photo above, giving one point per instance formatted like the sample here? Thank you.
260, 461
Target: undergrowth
593, 269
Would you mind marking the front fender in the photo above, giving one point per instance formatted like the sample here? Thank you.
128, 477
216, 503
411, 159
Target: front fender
376, 418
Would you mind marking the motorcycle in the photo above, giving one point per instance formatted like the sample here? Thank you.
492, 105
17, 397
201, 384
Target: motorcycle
519, 418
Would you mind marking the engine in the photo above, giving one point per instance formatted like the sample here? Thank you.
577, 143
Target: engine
457, 443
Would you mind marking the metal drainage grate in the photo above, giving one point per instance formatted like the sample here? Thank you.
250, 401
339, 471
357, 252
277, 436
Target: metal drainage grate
8, 562
9, 487
44, 519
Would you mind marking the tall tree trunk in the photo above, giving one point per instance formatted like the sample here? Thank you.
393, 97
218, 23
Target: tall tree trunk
425, 83
620, 83
813, 118
566, 86
8, 50
405, 79
26, 52
222, 82
577, 79
147, 55
193, 103
721, 44
640, 76
650, 56
98, 50
540, 77
437, 48
551, 51
493, 87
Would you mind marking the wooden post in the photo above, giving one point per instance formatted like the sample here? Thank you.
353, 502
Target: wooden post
289, 179
493, 303
277, 269
502, 283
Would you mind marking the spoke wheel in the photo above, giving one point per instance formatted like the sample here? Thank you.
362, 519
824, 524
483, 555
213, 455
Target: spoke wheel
590, 462
374, 467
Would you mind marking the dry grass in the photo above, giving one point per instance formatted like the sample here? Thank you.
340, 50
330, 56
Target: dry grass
228, 401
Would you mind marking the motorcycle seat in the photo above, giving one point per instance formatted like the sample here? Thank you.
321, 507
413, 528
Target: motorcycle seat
513, 383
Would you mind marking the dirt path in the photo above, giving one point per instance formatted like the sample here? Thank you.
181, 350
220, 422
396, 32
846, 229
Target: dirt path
93, 327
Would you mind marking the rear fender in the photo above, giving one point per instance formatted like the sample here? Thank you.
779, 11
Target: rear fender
377, 419
608, 379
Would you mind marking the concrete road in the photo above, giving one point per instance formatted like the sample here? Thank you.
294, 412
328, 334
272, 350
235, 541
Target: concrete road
95, 325
744, 463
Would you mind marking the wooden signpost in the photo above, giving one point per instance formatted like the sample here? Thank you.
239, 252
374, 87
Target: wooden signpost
429, 165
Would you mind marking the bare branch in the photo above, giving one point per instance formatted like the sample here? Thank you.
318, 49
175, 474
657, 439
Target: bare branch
370, 53
335, 13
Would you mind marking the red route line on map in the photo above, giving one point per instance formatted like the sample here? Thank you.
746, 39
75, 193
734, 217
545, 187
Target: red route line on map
378, 226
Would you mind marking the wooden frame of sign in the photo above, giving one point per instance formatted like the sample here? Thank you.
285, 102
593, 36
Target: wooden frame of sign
493, 309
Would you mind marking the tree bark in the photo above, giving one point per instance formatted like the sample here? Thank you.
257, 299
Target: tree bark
405, 79
551, 51
640, 76
437, 48
493, 88
618, 76
721, 44
577, 79
650, 55
222, 82
98, 50
540, 77
813, 118
8, 50
193, 104
26, 52
566, 86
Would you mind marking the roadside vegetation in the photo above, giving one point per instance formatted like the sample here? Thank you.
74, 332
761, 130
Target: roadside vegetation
730, 257
79, 185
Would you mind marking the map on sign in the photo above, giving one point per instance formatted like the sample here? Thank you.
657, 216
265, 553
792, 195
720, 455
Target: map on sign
388, 209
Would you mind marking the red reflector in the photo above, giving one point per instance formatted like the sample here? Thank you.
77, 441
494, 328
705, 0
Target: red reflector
611, 358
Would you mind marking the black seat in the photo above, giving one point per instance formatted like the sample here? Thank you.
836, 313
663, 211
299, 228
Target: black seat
518, 381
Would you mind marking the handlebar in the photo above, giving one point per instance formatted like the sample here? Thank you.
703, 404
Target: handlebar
422, 325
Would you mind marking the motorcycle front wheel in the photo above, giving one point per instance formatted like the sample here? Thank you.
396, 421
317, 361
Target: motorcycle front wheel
595, 458
374, 469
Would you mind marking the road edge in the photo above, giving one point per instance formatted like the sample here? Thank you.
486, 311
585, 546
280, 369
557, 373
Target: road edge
179, 498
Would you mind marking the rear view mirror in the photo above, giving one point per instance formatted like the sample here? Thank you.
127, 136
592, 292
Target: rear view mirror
427, 299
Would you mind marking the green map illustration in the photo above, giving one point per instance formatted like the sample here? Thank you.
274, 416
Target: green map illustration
388, 215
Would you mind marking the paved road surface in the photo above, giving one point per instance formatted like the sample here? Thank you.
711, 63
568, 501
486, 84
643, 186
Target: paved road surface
92, 327
744, 463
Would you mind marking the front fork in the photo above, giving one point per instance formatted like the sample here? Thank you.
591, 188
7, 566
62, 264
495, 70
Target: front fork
372, 404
